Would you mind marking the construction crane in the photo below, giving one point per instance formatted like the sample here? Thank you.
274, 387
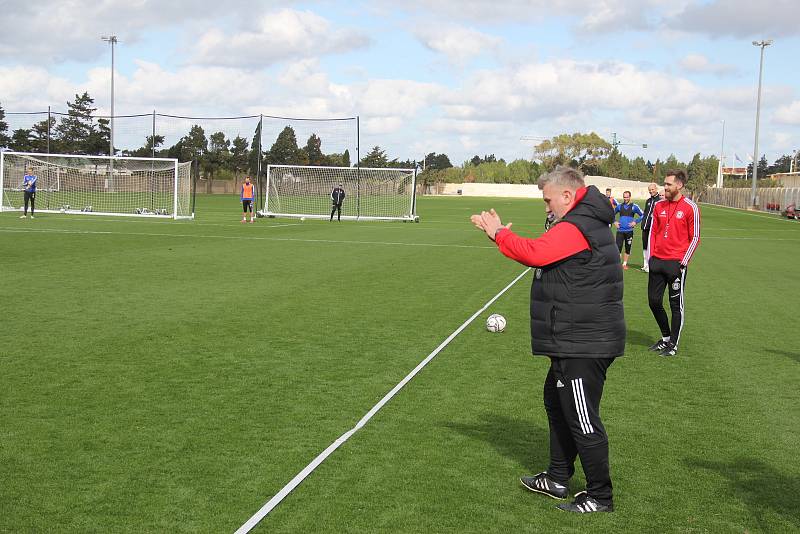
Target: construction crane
616, 142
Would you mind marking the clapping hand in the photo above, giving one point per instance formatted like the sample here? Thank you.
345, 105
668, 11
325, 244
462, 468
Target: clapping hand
489, 222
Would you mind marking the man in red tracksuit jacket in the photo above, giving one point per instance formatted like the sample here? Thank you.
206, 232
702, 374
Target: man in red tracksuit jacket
578, 322
674, 237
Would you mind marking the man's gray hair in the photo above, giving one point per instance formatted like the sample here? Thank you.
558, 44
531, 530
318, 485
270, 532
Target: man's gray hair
563, 175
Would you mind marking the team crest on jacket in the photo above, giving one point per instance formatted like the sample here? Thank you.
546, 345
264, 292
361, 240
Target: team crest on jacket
676, 285
679, 215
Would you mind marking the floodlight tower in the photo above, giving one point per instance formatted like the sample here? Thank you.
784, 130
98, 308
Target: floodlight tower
762, 45
112, 40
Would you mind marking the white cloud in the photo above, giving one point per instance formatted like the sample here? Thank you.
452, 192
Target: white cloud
32, 89
280, 35
788, 114
591, 16
700, 64
55, 30
739, 19
459, 44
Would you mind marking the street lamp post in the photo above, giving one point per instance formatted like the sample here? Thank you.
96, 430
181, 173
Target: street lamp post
721, 156
762, 45
112, 40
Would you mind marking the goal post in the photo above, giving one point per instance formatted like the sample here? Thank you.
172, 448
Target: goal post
98, 185
370, 193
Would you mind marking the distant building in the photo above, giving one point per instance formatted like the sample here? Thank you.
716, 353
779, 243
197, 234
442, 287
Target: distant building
787, 179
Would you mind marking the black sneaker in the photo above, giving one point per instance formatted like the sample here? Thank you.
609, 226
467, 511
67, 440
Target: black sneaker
584, 504
669, 350
542, 483
659, 345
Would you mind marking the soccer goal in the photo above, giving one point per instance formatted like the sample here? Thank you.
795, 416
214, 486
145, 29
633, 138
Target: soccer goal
370, 194
99, 185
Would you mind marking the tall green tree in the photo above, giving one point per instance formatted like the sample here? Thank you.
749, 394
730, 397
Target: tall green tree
375, 158
578, 149
313, 150
239, 155
218, 154
256, 152
40, 136
21, 140
77, 133
4, 138
146, 151
284, 150
99, 140
437, 162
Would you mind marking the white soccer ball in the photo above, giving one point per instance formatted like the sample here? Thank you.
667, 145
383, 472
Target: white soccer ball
302, 219
495, 323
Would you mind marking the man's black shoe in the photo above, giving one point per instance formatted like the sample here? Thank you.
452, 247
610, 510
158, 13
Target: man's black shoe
542, 483
659, 345
669, 350
584, 504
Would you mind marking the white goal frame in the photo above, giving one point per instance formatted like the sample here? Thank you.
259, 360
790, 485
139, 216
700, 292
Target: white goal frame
173, 166
358, 175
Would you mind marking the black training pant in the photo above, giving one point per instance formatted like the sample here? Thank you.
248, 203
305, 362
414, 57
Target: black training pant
667, 274
30, 196
337, 207
572, 392
247, 205
645, 240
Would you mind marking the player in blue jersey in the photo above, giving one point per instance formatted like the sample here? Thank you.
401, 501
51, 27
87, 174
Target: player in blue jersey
29, 189
629, 215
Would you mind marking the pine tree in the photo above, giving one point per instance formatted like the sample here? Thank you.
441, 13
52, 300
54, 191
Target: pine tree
40, 136
5, 140
313, 150
285, 150
21, 140
375, 158
76, 133
239, 155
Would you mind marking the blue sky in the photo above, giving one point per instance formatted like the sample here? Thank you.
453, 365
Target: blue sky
459, 77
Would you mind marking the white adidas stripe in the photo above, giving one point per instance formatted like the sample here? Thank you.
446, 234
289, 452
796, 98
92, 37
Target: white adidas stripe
580, 405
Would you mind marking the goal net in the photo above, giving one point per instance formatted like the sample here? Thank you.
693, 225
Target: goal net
99, 185
370, 194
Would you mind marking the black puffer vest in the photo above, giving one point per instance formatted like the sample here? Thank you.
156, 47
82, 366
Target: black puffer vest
576, 304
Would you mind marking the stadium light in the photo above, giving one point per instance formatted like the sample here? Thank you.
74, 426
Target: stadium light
763, 45
112, 40
721, 156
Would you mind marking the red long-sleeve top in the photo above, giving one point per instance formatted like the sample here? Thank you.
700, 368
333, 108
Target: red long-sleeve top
675, 230
561, 241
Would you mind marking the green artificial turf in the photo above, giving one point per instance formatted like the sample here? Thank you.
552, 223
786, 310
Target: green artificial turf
173, 376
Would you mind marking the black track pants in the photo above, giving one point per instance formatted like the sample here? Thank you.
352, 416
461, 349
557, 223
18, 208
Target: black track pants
572, 392
667, 274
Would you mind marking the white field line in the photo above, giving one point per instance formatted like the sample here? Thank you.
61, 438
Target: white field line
726, 238
274, 501
7, 229
746, 212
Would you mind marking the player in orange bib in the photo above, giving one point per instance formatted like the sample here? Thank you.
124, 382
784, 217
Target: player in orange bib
248, 197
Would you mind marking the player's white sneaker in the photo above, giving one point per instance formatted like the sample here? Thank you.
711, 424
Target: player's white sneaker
32, 217
22, 216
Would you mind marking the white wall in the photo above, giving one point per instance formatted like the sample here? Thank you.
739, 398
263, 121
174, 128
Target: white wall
638, 189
